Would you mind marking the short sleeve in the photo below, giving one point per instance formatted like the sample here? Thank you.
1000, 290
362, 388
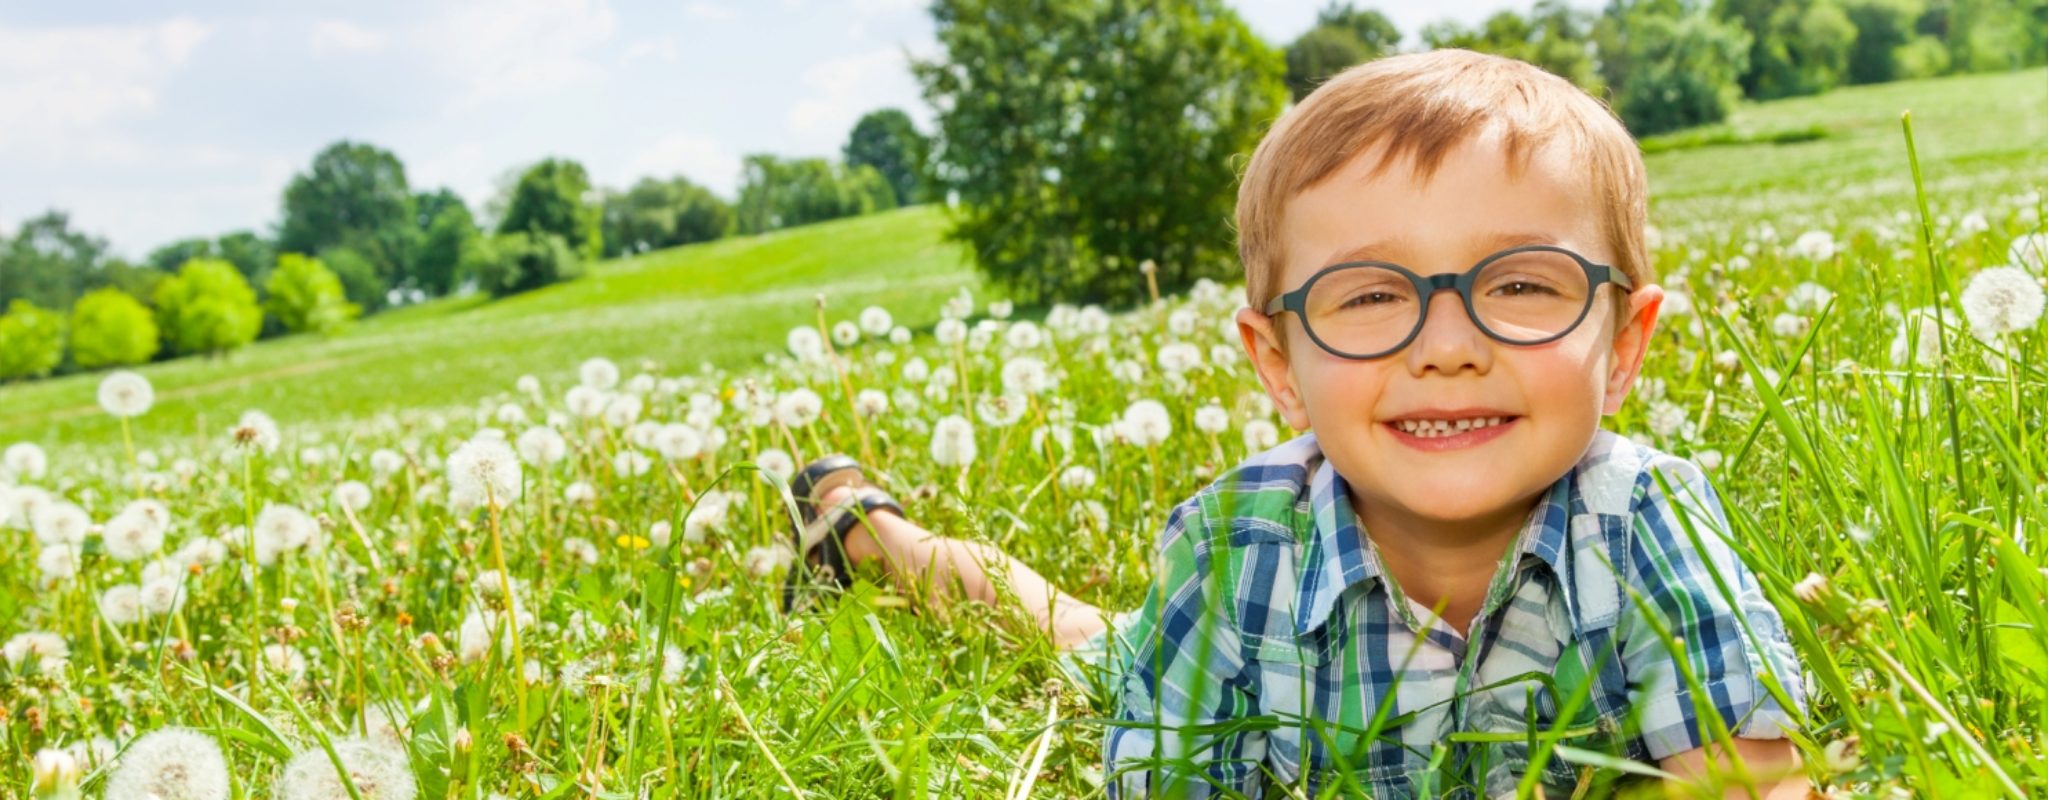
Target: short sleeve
1674, 579
1186, 677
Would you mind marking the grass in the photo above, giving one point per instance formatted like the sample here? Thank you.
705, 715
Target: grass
1889, 503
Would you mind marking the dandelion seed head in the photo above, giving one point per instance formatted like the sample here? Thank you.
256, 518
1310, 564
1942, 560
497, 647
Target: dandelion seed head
483, 471
2002, 300
953, 441
599, 373
377, 767
125, 393
876, 321
170, 764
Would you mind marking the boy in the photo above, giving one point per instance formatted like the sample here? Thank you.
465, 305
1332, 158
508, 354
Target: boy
1448, 285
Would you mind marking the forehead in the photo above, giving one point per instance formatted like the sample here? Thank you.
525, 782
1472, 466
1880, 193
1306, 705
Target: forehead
1476, 202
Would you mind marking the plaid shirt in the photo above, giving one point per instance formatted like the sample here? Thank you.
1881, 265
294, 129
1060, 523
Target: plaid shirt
1316, 658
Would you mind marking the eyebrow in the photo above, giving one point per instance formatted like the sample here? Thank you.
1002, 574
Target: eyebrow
1382, 250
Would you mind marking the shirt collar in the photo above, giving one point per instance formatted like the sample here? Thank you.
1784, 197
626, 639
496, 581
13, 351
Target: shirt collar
1338, 557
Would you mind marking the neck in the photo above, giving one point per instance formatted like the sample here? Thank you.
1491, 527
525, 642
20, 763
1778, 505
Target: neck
1442, 564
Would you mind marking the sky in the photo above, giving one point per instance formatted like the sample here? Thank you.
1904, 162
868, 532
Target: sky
151, 122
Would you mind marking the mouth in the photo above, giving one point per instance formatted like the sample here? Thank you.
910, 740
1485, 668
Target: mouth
1450, 430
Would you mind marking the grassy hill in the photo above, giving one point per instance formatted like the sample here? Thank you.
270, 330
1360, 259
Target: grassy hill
725, 303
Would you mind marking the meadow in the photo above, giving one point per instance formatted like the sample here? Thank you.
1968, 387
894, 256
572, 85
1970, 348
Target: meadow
535, 547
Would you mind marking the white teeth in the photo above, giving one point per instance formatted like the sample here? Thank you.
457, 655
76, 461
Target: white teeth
1430, 428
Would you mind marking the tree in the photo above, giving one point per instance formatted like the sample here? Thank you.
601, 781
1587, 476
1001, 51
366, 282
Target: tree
889, 142
109, 328
509, 263
1086, 136
552, 197
355, 196
451, 233
780, 193
251, 254
359, 281
50, 264
1672, 66
659, 213
31, 341
304, 296
1554, 36
207, 308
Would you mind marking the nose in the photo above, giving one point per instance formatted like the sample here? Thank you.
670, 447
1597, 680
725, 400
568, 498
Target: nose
1449, 342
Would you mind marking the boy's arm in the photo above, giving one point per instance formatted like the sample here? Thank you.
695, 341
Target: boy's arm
1186, 678
1773, 766
1680, 562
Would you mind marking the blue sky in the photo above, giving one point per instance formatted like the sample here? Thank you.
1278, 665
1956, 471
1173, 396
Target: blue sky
151, 122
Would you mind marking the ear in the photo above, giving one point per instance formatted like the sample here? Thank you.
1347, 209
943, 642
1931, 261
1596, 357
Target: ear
1631, 342
1263, 345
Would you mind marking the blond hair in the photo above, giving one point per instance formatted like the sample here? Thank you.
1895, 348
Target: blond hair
1421, 105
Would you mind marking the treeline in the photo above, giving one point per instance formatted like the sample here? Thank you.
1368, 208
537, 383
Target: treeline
355, 237
1094, 145
1668, 64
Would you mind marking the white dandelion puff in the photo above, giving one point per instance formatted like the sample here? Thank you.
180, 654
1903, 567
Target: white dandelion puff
25, 461
125, 393
799, 407
60, 523
122, 604
352, 495
845, 334
804, 342
2002, 300
376, 767
953, 441
678, 442
542, 446
776, 463
1146, 422
2029, 252
47, 651
483, 471
170, 764
599, 373
876, 321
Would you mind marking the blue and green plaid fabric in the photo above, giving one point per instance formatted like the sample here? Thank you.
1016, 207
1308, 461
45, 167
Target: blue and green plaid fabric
1274, 647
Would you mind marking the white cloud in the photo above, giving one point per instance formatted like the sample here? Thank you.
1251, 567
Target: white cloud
703, 160
843, 89
63, 89
708, 10
335, 35
511, 47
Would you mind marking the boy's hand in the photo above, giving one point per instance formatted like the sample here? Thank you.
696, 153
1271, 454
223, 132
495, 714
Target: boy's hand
1772, 763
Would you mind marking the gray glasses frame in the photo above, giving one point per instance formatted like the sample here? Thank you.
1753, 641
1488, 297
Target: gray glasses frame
1460, 282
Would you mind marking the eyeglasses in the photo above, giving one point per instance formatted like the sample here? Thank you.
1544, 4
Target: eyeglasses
1362, 310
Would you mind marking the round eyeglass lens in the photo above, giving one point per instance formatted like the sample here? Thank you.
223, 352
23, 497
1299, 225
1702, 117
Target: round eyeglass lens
1530, 295
1362, 310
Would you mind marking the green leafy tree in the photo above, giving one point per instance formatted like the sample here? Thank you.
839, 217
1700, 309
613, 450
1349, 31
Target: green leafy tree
1671, 65
889, 142
359, 280
31, 340
49, 263
658, 213
355, 195
250, 253
1083, 137
207, 307
304, 296
509, 263
109, 328
1554, 36
553, 196
780, 193
450, 235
